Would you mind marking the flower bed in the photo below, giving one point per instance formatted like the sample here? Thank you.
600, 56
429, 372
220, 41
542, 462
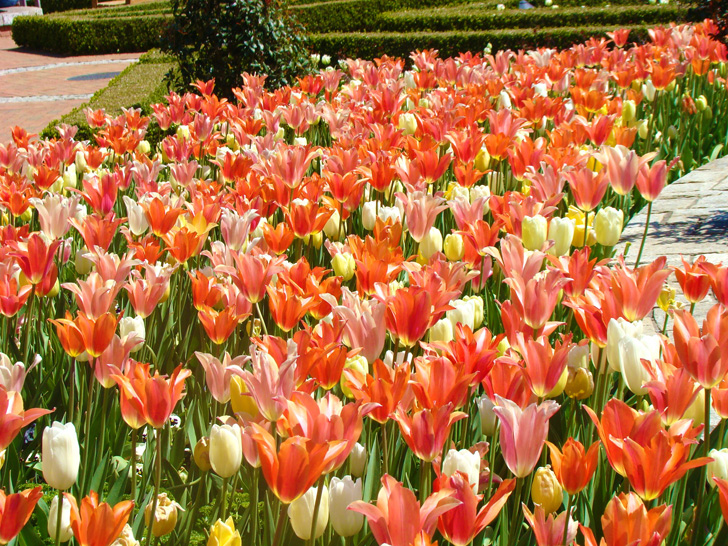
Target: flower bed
381, 284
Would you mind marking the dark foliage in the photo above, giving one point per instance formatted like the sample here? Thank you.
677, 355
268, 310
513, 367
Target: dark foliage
221, 39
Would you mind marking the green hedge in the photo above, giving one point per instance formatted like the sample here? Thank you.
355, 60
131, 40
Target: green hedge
51, 6
119, 11
465, 19
79, 36
376, 44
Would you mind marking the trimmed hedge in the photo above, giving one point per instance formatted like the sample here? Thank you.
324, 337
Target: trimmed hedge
80, 36
376, 44
138, 86
470, 19
52, 6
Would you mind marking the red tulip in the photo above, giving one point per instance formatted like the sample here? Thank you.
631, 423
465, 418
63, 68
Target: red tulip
15, 511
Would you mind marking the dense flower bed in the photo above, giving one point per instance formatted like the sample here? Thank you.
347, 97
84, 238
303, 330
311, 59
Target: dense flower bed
381, 284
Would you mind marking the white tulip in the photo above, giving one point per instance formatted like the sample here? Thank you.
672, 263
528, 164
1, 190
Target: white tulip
342, 492
300, 512
65, 533
357, 460
466, 462
719, 467
61, 455
226, 449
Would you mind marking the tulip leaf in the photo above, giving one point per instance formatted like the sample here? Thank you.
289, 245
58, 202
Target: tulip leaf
716, 151
98, 476
372, 475
118, 489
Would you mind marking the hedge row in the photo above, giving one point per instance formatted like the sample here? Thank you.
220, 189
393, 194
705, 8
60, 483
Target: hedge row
51, 6
375, 44
387, 15
464, 19
118, 11
85, 36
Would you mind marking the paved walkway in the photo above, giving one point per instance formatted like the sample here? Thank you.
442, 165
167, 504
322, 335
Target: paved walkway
38, 87
689, 219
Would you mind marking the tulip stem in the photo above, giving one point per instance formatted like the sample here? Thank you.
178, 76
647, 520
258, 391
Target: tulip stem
515, 520
262, 321
133, 463
223, 496
644, 235
157, 479
89, 444
59, 516
704, 473
26, 334
385, 450
316, 506
279, 525
586, 225
569, 504
72, 391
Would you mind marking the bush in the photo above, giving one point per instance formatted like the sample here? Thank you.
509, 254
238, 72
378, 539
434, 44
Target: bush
82, 35
221, 39
51, 6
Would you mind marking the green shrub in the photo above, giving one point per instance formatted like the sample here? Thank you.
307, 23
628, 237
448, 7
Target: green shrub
221, 39
376, 44
79, 36
51, 6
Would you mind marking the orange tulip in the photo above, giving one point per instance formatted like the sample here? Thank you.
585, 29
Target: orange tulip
387, 387
98, 524
426, 430
219, 325
573, 467
297, 465
153, 397
722, 495
15, 511
13, 417
94, 335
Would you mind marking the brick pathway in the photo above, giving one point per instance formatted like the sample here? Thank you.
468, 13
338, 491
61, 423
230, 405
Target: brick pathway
35, 87
689, 219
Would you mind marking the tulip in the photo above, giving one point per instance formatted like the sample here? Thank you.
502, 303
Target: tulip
133, 326
344, 265
574, 467
301, 511
137, 218
534, 231
165, 515
408, 123
201, 454
616, 331
61, 455
357, 460
718, 468
64, 534
226, 449
454, 247
240, 400
550, 531
97, 524
561, 232
488, 418
608, 226
441, 331
126, 538
15, 511
463, 461
479, 306
546, 491
343, 492
523, 433
631, 353
431, 243
722, 496
463, 313
223, 533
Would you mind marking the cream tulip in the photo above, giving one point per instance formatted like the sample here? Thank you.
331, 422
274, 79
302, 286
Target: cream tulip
719, 467
226, 449
488, 418
342, 492
65, 533
454, 247
608, 226
431, 243
301, 510
534, 231
561, 232
61, 456
441, 331
463, 461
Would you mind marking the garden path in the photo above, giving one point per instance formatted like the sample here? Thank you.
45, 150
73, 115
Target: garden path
689, 218
38, 87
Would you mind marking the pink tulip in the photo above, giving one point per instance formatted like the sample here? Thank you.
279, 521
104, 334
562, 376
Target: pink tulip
218, 374
421, 210
271, 385
623, 166
652, 180
523, 433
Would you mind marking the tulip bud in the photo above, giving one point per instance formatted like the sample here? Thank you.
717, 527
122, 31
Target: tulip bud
579, 383
183, 132
300, 512
369, 215
341, 494
344, 265
561, 232
408, 123
696, 410
132, 326
488, 418
463, 461
224, 534
358, 364
201, 454
454, 247
82, 263
608, 226
65, 533
463, 312
533, 232
708, 113
629, 110
431, 243
546, 490
701, 103
357, 460
126, 538
441, 331
165, 515
241, 401
61, 457
226, 449
478, 304
672, 132
482, 160
616, 330
719, 467
476, 192
631, 352
643, 128
560, 386
666, 298
80, 162
136, 216
649, 91
333, 227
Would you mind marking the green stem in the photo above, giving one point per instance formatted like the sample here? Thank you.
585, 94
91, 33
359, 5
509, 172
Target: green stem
385, 449
59, 517
644, 235
316, 507
26, 334
569, 504
133, 463
157, 480
72, 392
89, 444
704, 473
515, 520
223, 497
279, 526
